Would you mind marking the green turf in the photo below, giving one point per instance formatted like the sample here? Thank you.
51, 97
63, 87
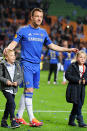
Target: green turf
47, 98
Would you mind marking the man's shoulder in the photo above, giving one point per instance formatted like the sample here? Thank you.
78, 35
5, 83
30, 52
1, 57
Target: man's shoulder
23, 28
42, 29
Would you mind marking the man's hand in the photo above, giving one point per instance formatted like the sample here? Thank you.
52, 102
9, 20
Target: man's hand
5, 51
73, 50
11, 46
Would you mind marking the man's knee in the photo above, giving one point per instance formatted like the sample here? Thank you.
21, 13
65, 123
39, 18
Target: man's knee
28, 90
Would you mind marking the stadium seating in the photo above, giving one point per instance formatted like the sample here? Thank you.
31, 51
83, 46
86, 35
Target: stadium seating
82, 3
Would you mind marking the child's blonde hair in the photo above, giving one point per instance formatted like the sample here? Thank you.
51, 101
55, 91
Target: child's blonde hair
8, 51
81, 52
77, 54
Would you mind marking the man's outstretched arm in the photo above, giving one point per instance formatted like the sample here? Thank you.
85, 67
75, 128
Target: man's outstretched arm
61, 49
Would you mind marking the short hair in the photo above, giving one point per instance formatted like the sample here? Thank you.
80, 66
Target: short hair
9, 51
36, 9
81, 52
77, 54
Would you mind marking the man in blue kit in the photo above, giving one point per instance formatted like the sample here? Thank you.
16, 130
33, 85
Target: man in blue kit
32, 38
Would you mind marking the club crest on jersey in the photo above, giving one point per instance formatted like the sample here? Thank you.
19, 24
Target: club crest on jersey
15, 36
41, 34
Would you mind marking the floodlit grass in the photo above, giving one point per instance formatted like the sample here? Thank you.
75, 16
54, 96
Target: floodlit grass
49, 106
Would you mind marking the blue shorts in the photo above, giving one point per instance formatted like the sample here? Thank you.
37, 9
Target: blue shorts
31, 74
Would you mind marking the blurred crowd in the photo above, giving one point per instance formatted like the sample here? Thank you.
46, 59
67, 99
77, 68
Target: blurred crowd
13, 14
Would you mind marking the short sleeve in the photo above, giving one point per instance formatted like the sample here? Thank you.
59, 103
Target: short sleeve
47, 39
18, 35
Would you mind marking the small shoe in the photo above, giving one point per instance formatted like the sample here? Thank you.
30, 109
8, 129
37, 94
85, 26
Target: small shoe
4, 124
35, 123
21, 121
83, 125
72, 124
14, 124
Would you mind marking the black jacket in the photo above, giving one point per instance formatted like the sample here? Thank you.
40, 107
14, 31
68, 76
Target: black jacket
75, 91
4, 76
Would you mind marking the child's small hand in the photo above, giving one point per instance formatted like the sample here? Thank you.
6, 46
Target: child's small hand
83, 81
80, 81
9, 83
15, 83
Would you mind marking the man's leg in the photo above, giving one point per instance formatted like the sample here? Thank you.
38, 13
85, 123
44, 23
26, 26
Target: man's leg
29, 71
20, 112
31, 81
21, 107
28, 102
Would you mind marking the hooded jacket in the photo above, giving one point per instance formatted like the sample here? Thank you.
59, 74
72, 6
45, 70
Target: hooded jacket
75, 91
4, 76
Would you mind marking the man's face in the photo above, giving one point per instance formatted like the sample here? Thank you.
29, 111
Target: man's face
37, 18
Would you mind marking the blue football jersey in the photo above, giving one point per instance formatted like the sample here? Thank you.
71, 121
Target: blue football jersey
32, 40
85, 50
68, 56
53, 56
67, 59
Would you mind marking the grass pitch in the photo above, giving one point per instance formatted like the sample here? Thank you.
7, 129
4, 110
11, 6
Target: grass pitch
49, 105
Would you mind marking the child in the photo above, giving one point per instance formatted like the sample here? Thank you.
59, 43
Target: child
76, 74
10, 78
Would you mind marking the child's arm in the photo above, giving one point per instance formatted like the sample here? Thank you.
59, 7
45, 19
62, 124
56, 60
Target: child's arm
2, 78
69, 75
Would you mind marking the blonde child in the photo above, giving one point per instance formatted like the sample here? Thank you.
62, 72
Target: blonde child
10, 78
76, 74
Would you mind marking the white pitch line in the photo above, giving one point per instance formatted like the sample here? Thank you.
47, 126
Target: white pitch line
49, 111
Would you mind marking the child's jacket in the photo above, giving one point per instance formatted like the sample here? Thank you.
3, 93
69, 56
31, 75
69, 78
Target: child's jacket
4, 76
75, 91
